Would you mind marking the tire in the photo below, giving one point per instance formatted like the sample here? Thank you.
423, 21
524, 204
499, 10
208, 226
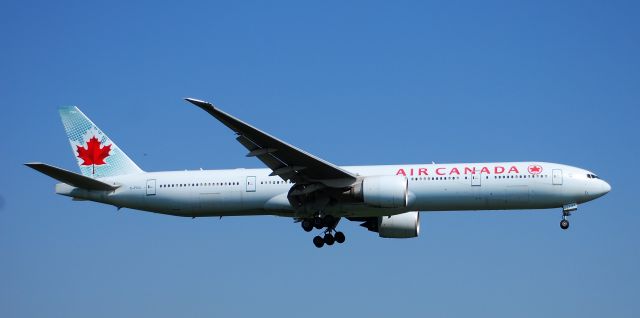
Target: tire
328, 239
564, 224
317, 223
328, 221
340, 238
307, 225
318, 241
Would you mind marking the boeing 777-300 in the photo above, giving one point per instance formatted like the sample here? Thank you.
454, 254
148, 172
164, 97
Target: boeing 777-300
316, 193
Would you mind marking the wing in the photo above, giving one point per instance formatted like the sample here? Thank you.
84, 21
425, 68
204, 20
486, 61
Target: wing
285, 160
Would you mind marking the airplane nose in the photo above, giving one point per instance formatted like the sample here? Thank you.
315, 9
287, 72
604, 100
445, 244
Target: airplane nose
604, 188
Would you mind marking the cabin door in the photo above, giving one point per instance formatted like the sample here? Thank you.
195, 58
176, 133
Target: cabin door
251, 184
476, 179
557, 176
151, 187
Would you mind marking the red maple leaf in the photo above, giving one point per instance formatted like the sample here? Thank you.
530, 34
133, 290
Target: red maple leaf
93, 155
534, 169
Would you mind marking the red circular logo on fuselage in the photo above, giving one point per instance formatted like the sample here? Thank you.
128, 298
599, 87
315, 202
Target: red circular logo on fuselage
535, 169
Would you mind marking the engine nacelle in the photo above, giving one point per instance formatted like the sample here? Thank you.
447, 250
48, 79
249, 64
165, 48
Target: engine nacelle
405, 225
383, 191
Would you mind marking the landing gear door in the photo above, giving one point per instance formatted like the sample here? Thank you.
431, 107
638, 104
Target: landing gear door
476, 179
151, 187
251, 184
556, 176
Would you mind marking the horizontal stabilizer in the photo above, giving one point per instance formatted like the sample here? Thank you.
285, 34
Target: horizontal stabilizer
70, 178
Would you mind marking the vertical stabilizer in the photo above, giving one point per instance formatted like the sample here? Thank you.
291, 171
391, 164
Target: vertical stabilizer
97, 155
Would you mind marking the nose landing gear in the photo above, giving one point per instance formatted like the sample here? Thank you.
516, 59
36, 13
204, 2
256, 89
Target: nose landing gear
566, 212
564, 224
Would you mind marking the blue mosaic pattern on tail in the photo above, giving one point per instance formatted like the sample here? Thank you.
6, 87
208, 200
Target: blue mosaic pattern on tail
80, 129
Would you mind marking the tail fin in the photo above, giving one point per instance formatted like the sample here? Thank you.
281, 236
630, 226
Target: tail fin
97, 155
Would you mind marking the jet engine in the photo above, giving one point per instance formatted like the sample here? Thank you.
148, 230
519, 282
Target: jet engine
383, 191
405, 225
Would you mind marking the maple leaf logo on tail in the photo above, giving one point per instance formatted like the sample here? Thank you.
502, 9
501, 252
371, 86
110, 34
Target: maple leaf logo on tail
93, 155
94, 147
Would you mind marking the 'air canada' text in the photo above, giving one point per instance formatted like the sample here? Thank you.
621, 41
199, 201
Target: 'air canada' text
446, 171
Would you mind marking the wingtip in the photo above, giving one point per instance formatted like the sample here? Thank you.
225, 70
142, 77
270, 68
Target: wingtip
195, 101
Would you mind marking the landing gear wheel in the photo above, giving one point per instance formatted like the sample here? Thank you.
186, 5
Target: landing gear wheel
328, 238
307, 225
318, 241
339, 237
328, 221
318, 223
564, 224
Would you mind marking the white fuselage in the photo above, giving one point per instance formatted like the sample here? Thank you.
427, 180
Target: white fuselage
432, 187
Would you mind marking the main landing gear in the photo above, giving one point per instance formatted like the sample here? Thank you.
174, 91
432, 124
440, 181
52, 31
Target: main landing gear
328, 239
566, 212
329, 222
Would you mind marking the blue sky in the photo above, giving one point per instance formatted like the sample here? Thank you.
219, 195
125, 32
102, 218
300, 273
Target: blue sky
354, 83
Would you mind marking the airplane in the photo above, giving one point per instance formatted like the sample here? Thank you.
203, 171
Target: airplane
385, 199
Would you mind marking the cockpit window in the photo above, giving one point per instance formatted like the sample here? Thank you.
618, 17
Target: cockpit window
592, 176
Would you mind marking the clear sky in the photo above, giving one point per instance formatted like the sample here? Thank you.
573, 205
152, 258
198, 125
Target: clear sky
354, 83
